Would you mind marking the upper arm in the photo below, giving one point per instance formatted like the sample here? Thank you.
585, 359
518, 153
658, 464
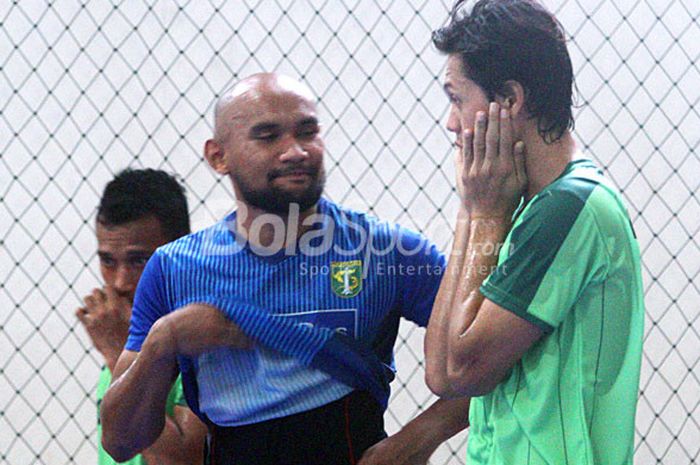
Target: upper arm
489, 349
150, 302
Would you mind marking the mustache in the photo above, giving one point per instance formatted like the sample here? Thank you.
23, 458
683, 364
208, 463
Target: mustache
303, 169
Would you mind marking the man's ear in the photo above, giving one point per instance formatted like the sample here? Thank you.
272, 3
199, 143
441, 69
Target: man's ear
513, 97
214, 153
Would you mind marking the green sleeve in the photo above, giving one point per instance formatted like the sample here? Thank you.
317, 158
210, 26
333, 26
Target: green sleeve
176, 396
553, 252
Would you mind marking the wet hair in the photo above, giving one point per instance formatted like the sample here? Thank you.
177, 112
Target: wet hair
136, 194
515, 40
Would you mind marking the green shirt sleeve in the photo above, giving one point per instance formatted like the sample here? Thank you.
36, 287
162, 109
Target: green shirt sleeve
552, 253
176, 397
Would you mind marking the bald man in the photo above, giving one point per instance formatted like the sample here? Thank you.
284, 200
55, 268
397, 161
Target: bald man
282, 316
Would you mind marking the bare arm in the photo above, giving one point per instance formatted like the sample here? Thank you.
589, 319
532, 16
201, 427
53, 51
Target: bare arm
181, 442
438, 326
419, 438
133, 408
492, 179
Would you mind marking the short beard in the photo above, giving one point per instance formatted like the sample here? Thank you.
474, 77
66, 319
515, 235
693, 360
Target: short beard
277, 201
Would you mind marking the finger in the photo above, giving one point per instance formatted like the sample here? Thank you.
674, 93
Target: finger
82, 314
505, 148
493, 133
467, 150
89, 302
98, 295
111, 294
479, 141
519, 161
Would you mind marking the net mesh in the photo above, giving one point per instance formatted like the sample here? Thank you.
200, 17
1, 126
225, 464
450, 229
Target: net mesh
90, 87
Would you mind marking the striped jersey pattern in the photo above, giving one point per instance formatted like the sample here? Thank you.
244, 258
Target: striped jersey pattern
349, 278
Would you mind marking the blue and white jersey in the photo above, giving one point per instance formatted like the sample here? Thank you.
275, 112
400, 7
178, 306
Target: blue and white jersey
348, 278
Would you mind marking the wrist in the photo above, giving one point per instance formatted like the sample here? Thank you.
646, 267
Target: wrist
110, 360
490, 217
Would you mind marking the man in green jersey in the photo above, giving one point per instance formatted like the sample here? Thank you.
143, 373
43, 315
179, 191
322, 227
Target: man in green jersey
539, 317
140, 210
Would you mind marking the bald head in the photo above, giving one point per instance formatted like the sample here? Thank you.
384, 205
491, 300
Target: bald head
250, 93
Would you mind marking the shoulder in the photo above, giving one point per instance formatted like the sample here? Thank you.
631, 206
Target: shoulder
367, 225
210, 241
582, 190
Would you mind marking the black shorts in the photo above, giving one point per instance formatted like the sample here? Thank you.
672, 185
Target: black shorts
334, 434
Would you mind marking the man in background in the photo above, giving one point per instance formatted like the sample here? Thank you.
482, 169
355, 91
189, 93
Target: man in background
140, 210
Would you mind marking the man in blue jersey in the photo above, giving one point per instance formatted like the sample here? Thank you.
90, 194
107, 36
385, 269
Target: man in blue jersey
281, 317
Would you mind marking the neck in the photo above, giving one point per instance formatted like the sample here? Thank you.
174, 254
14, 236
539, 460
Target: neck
546, 162
271, 231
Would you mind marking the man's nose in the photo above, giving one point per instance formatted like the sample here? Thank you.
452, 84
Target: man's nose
453, 123
125, 281
294, 152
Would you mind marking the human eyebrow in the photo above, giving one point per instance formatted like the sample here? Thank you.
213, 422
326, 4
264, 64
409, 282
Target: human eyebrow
139, 253
310, 121
105, 258
263, 129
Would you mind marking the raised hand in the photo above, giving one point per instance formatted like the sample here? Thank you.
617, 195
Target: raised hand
493, 176
105, 317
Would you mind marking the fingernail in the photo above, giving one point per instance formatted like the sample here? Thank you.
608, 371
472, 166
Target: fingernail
481, 117
467, 133
494, 107
504, 113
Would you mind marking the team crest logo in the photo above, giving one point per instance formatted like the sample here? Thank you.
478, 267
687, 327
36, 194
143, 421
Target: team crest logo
346, 278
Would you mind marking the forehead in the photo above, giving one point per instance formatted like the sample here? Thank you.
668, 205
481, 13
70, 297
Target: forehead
144, 234
455, 77
271, 105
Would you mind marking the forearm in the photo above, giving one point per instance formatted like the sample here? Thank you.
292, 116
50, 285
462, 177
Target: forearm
485, 239
442, 420
133, 409
438, 327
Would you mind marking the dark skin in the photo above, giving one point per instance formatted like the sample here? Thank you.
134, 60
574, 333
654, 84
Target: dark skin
123, 251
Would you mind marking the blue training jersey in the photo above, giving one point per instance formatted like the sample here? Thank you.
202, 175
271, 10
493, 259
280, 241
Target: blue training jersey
319, 311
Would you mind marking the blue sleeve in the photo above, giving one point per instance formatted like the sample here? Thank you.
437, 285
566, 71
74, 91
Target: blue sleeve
150, 303
422, 267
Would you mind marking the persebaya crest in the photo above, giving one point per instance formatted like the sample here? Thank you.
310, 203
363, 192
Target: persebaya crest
346, 278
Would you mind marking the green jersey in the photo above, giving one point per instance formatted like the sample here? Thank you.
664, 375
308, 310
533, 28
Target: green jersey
571, 266
176, 397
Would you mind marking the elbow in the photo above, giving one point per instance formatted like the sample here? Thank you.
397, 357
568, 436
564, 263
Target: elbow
116, 449
469, 378
121, 444
436, 382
